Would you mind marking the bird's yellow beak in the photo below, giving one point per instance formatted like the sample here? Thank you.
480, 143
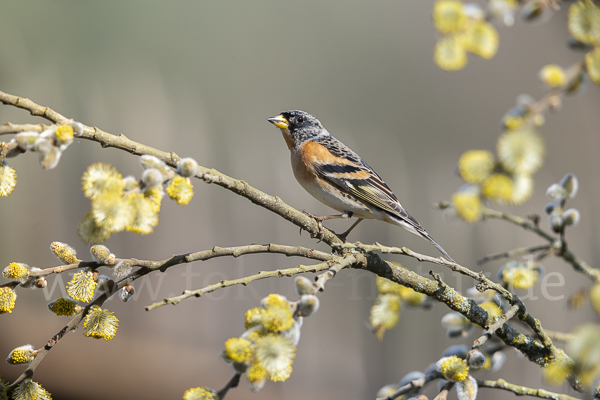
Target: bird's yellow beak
279, 121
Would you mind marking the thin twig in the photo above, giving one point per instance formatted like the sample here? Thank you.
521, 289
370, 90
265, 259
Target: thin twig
558, 245
208, 175
203, 255
443, 394
72, 325
8, 128
12, 284
581, 266
410, 386
341, 262
522, 222
148, 267
522, 390
335, 267
495, 326
512, 253
233, 383
560, 336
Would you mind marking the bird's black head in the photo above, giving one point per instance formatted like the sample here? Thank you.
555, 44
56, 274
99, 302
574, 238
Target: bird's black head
301, 126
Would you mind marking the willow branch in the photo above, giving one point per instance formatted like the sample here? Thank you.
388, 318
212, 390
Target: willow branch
540, 351
8, 128
12, 284
443, 394
233, 383
535, 351
72, 325
334, 265
486, 283
516, 220
580, 265
63, 268
560, 336
240, 187
513, 253
148, 267
409, 387
203, 255
559, 245
522, 390
495, 326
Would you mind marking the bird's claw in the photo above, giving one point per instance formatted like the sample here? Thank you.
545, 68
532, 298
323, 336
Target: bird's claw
319, 219
343, 236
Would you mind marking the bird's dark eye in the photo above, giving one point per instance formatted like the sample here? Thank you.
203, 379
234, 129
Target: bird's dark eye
300, 119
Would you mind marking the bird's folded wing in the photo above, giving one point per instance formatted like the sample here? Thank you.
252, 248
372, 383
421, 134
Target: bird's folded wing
364, 184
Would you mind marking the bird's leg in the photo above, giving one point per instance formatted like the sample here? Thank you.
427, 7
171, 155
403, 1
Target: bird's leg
344, 235
321, 218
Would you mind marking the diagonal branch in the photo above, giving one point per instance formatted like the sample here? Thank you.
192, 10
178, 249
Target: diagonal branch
522, 390
494, 327
558, 244
485, 283
537, 352
580, 265
443, 394
260, 198
151, 266
513, 253
522, 222
417, 384
203, 255
71, 326
233, 383
332, 266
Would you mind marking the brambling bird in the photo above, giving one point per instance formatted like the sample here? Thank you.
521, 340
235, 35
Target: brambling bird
335, 175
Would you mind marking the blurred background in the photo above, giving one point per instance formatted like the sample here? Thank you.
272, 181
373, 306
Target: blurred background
199, 78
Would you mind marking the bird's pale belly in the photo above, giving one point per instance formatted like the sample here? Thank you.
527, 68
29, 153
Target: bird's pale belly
332, 197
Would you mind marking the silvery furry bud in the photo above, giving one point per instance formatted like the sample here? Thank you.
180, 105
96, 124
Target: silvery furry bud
77, 128
104, 284
50, 160
126, 293
556, 192
454, 320
571, 217
411, 376
303, 285
26, 140
467, 389
308, 304
458, 350
476, 359
570, 184
152, 177
187, 167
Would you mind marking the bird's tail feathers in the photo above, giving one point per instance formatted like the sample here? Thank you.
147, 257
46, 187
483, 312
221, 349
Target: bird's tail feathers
427, 236
419, 231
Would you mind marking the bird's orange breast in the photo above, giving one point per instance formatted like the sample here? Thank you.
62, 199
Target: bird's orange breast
313, 154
